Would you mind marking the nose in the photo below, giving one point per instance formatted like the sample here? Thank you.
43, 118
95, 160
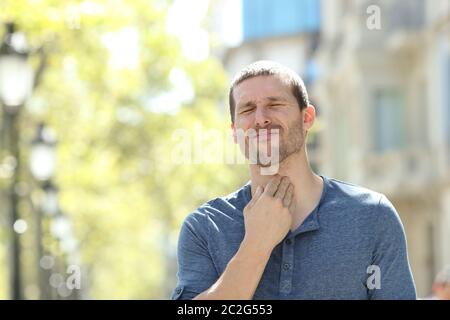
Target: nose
261, 118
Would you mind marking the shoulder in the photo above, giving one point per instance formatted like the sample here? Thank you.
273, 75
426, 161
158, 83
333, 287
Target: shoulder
346, 192
218, 210
367, 212
362, 201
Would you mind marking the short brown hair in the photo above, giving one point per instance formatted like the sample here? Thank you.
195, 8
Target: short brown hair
270, 68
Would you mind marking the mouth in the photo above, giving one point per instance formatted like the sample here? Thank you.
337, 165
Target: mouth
262, 132
266, 136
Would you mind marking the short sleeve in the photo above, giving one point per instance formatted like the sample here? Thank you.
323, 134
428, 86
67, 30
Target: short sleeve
196, 270
390, 255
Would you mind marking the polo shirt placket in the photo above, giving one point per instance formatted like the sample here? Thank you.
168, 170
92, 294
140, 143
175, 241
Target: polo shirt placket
288, 252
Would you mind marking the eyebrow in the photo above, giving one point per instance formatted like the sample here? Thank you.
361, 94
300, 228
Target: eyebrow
276, 98
252, 103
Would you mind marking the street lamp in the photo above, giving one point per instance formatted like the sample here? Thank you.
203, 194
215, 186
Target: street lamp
50, 203
61, 227
42, 167
16, 85
43, 154
16, 74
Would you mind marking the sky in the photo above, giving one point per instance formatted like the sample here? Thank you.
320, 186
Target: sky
188, 28
184, 21
185, 18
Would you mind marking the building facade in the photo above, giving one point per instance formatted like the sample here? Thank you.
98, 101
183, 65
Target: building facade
384, 91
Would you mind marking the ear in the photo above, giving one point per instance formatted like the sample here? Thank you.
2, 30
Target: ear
309, 115
233, 128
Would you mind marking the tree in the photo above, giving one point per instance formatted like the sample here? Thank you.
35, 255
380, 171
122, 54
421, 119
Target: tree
118, 181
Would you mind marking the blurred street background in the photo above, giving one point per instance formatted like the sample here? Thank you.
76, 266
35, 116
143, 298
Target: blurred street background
94, 95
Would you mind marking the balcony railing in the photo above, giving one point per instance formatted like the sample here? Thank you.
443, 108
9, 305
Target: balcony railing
405, 170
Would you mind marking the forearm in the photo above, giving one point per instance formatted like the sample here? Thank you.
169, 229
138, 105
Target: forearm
241, 276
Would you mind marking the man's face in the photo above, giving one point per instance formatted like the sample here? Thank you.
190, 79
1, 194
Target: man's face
262, 105
442, 291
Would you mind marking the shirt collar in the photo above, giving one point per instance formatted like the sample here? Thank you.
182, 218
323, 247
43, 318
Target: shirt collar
311, 222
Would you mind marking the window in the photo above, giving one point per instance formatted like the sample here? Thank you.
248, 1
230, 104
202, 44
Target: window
443, 72
389, 120
446, 84
266, 18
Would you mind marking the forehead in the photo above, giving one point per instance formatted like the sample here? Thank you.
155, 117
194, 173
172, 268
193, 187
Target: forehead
261, 87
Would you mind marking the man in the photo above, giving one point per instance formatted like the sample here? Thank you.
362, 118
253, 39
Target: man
293, 234
441, 285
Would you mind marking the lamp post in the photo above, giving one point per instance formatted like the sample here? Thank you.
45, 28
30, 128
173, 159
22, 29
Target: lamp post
43, 154
50, 204
42, 167
16, 74
16, 85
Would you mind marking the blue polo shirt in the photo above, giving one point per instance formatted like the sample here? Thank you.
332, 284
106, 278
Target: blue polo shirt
351, 246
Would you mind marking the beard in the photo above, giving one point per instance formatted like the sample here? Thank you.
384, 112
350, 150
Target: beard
277, 147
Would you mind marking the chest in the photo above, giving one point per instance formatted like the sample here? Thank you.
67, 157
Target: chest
320, 264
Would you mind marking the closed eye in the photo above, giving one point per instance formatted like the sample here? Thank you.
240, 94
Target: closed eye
246, 110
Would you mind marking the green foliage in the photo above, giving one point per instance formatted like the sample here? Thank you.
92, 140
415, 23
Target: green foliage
117, 178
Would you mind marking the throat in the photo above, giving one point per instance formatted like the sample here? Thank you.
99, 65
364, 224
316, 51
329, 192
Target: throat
305, 206
297, 221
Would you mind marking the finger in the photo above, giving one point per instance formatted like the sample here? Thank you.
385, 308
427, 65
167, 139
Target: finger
259, 191
287, 200
284, 184
256, 195
272, 186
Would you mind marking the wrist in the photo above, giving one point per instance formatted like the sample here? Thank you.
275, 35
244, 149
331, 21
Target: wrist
255, 250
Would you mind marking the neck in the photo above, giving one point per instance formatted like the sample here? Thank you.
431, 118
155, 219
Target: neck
308, 186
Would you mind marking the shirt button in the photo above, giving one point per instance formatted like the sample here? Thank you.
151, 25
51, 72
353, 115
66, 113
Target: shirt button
286, 266
286, 285
288, 242
178, 290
